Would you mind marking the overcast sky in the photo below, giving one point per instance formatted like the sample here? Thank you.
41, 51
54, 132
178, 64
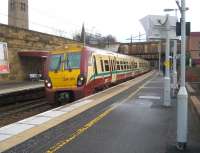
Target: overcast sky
119, 18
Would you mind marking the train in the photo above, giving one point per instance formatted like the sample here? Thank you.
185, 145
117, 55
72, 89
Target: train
76, 71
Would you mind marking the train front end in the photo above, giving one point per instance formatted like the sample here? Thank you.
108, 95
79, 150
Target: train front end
66, 77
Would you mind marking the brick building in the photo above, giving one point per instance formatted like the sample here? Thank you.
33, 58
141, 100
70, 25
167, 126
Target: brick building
27, 51
193, 47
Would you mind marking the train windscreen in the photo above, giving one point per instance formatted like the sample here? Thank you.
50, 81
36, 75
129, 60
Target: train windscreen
56, 62
73, 61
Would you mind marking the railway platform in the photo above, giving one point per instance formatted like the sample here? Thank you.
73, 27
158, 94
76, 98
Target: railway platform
127, 118
17, 92
12, 87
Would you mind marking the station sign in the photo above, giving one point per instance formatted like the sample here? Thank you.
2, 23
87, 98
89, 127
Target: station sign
4, 63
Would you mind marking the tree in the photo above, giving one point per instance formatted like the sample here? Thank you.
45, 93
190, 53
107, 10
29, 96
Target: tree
96, 40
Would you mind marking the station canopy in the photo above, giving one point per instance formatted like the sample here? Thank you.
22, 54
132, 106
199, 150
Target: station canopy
157, 26
33, 53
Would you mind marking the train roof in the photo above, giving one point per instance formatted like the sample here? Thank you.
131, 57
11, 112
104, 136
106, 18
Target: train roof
106, 52
79, 46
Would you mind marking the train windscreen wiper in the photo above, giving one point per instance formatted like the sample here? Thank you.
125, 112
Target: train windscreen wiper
58, 67
68, 64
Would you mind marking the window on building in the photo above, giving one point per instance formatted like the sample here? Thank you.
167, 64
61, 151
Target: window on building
23, 6
12, 4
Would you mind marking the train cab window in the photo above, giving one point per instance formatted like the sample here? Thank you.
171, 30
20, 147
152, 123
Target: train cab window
56, 62
106, 65
102, 68
73, 61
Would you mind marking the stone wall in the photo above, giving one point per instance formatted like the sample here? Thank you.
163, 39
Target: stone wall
21, 39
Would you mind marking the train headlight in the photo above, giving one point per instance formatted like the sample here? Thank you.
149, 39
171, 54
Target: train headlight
48, 83
81, 80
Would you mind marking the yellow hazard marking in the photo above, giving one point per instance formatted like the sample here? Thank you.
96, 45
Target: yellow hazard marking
167, 64
77, 133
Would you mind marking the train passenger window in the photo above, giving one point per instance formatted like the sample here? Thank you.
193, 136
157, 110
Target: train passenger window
106, 65
132, 65
102, 68
121, 64
135, 65
118, 65
124, 63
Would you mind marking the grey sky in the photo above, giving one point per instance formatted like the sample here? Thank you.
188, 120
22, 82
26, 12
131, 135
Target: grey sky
117, 17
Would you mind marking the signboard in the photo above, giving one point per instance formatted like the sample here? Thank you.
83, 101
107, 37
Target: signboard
4, 64
157, 26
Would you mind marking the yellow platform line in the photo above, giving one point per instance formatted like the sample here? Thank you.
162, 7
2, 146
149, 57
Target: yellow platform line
83, 129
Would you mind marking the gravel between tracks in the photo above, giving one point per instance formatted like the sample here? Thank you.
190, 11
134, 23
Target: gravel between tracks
18, 114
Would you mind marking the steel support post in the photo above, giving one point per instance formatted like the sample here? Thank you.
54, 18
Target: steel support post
182, 104
167, 96
159, 57
174, 68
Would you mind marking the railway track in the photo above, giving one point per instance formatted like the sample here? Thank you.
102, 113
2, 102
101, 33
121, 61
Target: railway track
13, 113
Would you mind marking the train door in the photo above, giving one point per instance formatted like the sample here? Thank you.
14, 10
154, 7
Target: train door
113, 69
95, 70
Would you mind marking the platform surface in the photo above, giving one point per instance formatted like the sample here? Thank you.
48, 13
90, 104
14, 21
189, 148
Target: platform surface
133, 121
7, 88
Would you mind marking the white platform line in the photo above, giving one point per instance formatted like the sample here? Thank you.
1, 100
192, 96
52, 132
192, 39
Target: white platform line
153, 87
149, 97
